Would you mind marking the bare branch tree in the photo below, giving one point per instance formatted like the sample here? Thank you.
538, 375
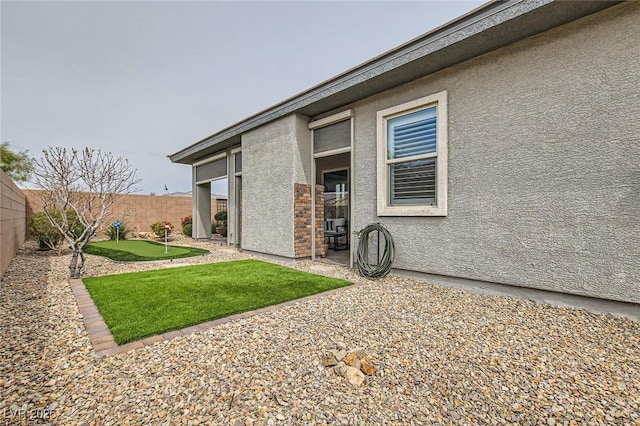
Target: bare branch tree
86, 182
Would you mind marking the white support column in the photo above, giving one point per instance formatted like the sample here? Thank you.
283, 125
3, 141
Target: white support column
231, 200
194, 202
352, 207
202, 211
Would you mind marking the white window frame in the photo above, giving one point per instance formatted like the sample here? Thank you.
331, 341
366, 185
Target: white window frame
234, 152
439, 100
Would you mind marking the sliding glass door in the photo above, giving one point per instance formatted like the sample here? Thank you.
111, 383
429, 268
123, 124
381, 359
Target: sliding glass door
336, 194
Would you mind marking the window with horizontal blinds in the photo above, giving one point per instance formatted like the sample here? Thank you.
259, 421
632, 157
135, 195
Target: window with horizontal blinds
412, 161
413, 182
412, 138
412, 134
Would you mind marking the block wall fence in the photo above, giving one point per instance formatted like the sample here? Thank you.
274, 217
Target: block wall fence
13, 221
137, 211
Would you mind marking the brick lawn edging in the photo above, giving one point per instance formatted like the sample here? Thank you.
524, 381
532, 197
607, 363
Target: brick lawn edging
104, 344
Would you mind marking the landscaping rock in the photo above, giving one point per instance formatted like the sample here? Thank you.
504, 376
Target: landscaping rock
356, 364
367, 367
339, 355
442, 355
358, 353
328, 359
340, 369
350, 358
354, 360
354, 376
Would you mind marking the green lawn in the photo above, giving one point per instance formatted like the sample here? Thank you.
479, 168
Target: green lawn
142, 304
136, 250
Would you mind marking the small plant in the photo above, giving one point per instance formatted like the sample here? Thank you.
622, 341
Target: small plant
187, 229
220, 223
221, 216
188, 220
48, 236
158, 228
114, 234
41, 229
187, 225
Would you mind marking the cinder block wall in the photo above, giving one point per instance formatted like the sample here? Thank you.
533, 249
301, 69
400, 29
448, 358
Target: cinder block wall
12, 220
138, 211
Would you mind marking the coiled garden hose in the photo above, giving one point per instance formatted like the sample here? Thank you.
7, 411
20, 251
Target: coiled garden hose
385, 262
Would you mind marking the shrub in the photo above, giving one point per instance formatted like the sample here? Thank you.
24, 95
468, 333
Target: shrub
158, 228
221, 216
187, 229
41, 229
48, 236
220, 223
213, 227
186, 221
113, 233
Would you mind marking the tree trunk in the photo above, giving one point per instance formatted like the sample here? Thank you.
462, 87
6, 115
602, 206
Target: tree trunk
76, 267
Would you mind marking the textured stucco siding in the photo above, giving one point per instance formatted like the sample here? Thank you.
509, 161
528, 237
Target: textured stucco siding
544, 163
13, 220
301, 150
273, 157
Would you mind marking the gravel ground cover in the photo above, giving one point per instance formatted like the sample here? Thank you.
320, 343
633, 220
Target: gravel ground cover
444, 356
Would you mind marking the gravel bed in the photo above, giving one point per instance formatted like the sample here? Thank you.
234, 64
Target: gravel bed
444, 356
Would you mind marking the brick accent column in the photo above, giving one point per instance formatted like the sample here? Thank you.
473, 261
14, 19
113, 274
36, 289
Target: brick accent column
302, 221
321, 244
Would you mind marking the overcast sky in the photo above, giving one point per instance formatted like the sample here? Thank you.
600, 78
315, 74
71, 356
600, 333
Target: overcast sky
146, 79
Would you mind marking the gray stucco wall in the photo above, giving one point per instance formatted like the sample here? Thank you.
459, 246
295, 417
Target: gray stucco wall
301, 150
274, 157
544, 163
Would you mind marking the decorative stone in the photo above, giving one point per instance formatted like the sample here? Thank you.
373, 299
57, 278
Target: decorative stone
354, 376
358, 352
341, 346
341, 369
350, 358
328, 359
367, 367
338, 354
86, 387
356, 364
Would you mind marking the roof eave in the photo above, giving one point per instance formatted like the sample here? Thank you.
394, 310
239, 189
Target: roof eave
489, 27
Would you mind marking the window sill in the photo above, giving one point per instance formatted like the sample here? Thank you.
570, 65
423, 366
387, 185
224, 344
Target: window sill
412, 211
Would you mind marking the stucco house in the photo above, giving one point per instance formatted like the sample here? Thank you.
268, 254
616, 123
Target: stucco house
502, 147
